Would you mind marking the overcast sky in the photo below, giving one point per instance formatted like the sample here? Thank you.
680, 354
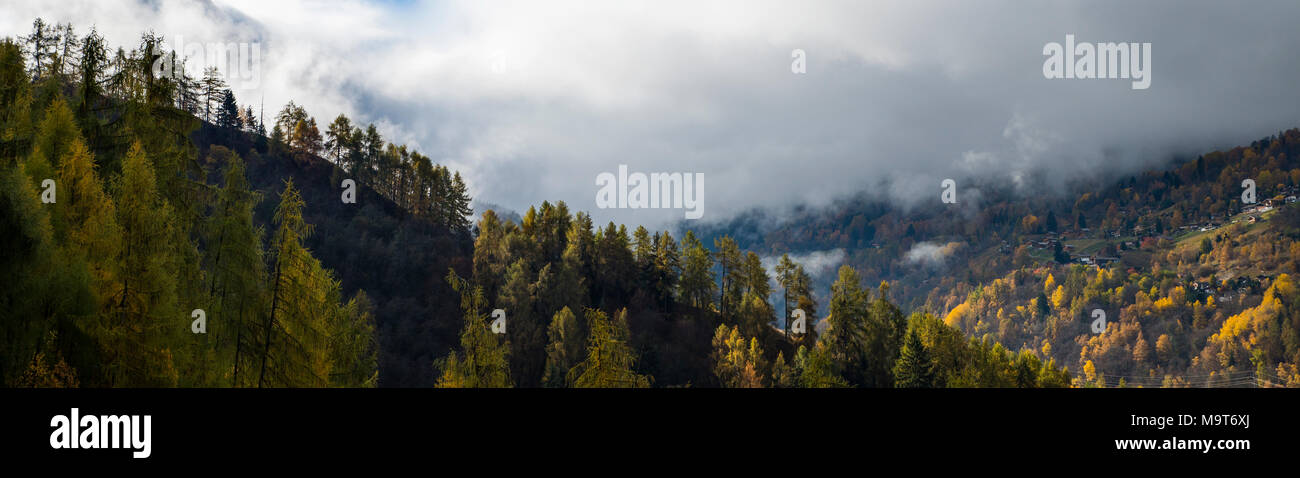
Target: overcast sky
531, 100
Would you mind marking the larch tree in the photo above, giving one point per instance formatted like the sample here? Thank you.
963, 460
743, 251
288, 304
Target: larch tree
737, 362
570, 286
755, 311
816, 368
293, 335
30, 257
614, 265
804, 299
526, 327
354, 352
85, 218
54, 137
15, 103
40, 44
490, 253
305, 138
337, 140
784, 375
610, 360
143, 320
372, 147
667, 268
845, 337
92, 70
785, 277
564, 349
211, 86
483, 359
236, 270
886, 328
730, 276
696, 284
643, 257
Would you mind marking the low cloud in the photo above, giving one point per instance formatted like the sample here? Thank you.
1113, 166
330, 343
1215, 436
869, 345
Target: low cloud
817, 264
932, 254
531, 100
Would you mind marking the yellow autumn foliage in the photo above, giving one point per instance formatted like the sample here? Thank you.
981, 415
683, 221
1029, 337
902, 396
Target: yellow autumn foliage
1253, 318
953, 319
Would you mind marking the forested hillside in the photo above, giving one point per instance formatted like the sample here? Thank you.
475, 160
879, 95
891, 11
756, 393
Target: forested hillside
136, 203
602, 307
1196, 283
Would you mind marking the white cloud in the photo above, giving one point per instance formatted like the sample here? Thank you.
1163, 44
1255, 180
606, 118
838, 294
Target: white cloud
932, 254
532, 99
817, 264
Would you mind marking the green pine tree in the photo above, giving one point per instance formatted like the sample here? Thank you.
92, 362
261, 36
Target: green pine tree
914, 368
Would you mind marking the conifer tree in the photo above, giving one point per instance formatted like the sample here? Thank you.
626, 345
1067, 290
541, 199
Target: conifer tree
235, 265
564, 349
55, 135
30, 258
643, 257
338, 139
458, 205
730, 276
293, 336
142, 321
277, 140
15, 104
737, 362
755, 310
914, 368
785, 277
483, 360
85, 218
571, 286
354, 352
667, 268
610, 361
783, 374
92, 69
816, 368
845, 337
526, 331
212, 86
228, 112
696, 284
614, 266
886, 328
490, 253
40, 45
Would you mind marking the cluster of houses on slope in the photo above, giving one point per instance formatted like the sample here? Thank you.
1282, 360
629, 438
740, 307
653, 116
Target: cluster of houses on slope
1228, 289
1253, 211
1051, 240
1287, 196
